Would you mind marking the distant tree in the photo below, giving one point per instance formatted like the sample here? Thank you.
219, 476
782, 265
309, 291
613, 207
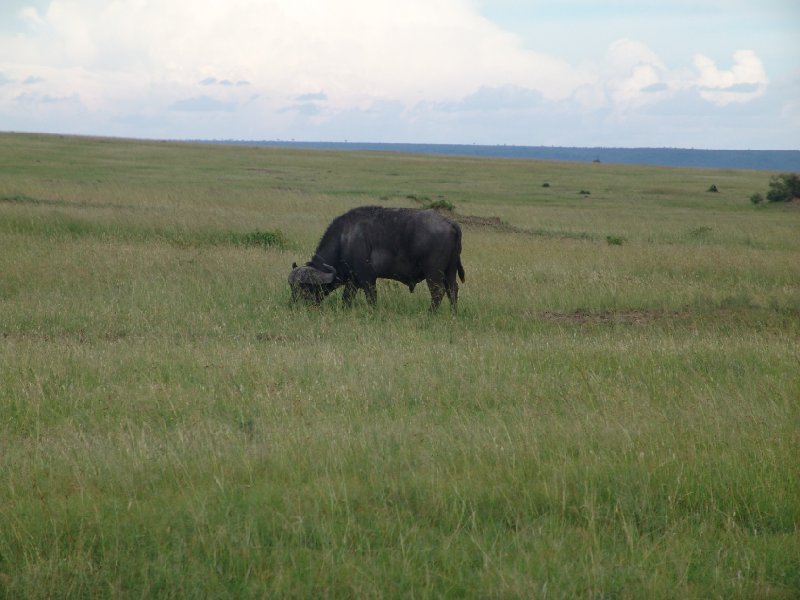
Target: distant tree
784, 188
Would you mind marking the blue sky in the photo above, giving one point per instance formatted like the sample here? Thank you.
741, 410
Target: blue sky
700, 73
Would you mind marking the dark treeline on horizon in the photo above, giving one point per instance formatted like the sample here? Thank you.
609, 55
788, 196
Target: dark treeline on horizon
768, 160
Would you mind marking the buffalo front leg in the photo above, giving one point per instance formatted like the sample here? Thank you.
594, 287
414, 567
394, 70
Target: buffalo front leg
371, 292
349, 293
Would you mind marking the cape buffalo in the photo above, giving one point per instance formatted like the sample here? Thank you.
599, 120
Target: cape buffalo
367, 243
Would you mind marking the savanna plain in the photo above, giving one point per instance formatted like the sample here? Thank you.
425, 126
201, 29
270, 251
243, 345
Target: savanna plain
614, 412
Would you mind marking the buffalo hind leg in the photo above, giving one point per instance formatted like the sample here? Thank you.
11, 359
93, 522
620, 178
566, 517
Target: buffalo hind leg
451, 287
436, 288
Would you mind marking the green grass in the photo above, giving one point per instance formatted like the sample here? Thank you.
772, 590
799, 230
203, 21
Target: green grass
599, 421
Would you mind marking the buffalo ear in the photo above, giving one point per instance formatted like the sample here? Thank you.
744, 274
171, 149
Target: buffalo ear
326, 276
312, 276
294, 265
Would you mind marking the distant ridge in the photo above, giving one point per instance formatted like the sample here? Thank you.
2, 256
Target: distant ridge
762, 160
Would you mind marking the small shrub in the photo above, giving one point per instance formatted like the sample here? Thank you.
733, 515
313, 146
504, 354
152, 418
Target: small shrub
545, 184
19, 199
700, 232
713, 188
426, 202
756, 198
265, 239
440, 204
615, 240
784, 188
584, 192
257, 238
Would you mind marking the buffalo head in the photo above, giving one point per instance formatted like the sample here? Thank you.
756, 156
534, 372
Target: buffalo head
310, 284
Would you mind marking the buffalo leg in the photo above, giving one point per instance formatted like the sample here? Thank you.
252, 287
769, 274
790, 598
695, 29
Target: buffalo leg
349, 293
371, 292
451, 287
437, 293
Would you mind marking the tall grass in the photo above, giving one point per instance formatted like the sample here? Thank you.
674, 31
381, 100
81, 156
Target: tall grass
598, 421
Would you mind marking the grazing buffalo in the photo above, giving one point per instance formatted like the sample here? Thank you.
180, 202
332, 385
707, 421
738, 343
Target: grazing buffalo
371, 242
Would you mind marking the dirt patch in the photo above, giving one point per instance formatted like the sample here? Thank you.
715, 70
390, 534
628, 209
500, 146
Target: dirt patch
625, 317
77, 336
497, 224
493, 223
273, 337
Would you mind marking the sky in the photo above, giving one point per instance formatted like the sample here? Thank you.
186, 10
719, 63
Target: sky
719, 74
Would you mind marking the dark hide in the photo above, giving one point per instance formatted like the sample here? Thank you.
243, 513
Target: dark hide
371, 242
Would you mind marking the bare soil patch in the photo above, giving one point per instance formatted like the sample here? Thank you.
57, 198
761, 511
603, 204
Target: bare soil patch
500, 226
625, 317
493, 223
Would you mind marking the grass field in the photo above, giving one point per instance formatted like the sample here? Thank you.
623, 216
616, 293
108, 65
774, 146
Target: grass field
614, 412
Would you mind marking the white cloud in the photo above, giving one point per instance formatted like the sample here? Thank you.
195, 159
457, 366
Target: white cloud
632, 76
202, 104
744, 81
633, 71
257, 68
30, 15
490, 99
356, 50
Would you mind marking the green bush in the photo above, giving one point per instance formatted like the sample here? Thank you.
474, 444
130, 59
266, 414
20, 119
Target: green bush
426, 202
784, 188
265, 239
258, 238
440, 204
701, 232
756, 198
